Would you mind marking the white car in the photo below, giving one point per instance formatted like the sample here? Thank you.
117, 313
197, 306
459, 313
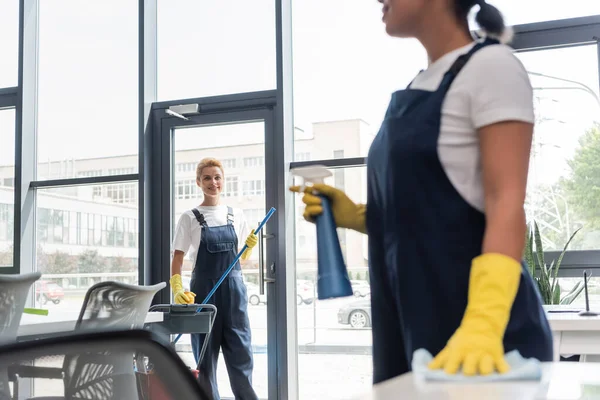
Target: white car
360, 288
254, 296
304, 293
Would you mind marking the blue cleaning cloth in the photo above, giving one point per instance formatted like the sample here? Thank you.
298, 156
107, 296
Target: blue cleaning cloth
521, 369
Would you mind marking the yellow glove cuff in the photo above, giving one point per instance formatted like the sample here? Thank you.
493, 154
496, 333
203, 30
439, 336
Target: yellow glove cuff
493, 286
246, 254
176, 284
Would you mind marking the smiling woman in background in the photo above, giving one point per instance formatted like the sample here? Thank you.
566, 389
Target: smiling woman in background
210, 232
447, 174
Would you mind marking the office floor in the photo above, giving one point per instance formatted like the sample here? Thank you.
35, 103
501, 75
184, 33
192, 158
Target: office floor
321, 376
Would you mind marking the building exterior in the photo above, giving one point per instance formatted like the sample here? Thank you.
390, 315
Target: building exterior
97, 226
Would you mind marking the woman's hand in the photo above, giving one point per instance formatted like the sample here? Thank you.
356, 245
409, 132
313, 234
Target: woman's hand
180, 295
251, 241
478, 344
346, 213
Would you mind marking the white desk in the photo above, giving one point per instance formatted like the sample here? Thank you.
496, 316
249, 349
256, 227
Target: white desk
561, 381
574, 334
61, 321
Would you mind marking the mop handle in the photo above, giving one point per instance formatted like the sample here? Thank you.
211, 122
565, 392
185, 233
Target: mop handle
214, 289
232, 265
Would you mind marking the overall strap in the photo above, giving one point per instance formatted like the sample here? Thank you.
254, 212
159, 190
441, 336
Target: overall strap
229, 216
200, 218
461, 61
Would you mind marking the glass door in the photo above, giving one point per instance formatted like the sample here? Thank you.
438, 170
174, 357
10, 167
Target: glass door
237, 141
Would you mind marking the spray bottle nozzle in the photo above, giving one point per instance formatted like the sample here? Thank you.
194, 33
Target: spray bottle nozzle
312, 174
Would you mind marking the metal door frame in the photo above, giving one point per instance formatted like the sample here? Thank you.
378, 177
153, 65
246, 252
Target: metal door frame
158, 198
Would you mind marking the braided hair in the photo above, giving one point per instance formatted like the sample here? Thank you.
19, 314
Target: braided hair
489, 18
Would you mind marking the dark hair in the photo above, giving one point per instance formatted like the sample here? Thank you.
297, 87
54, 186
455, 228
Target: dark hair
489, 18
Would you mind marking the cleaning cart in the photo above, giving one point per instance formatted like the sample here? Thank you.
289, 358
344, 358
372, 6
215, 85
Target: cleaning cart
178, 319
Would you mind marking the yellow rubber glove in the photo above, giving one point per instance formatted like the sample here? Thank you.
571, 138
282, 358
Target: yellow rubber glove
181, 296
477, 345
251, 241
346, 213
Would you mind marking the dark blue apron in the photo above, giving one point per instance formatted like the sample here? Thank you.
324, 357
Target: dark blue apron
231, 330
422, 238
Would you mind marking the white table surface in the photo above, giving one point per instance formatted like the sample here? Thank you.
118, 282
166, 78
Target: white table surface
562, 321
560, 381
61, 321
574, 334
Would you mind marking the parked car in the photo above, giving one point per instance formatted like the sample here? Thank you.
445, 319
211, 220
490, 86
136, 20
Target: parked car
357, 313
360, 288
48, 291
254, 296
304, 293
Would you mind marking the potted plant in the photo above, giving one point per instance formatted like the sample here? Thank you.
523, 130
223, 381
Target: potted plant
546, 276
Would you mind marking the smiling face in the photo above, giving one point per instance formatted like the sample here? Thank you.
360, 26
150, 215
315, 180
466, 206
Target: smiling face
211, 181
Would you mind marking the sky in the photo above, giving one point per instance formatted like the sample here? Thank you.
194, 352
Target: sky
345, 66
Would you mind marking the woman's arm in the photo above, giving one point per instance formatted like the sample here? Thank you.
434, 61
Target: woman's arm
177, 262
505, 150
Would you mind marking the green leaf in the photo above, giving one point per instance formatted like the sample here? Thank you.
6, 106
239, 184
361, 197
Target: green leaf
539, 248
529, 259
556, 295
565, 250
553, 273
543, 292
573, 294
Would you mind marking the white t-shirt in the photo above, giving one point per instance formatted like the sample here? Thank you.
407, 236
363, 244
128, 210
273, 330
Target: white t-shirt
189, 231
492, 87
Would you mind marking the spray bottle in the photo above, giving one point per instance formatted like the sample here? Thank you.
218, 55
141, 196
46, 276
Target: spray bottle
332, 280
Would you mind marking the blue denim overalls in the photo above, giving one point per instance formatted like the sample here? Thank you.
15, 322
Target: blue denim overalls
422, 238
231, 330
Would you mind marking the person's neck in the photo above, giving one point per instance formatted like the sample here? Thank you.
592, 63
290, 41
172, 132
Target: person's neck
442, 39
211, 201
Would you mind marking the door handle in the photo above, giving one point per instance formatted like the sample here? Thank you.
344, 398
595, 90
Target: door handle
261, 263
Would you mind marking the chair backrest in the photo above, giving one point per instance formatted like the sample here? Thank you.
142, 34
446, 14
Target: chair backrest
98, 371
116, 305
13, 295
107, 305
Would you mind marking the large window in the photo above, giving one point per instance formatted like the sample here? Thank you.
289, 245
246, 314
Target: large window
334, 334
88, 85
212, 47
82, 240
344, 75
564, 177
343, 81
9, 42
7, 174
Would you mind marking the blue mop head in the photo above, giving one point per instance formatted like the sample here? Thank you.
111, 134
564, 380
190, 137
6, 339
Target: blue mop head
521, 369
